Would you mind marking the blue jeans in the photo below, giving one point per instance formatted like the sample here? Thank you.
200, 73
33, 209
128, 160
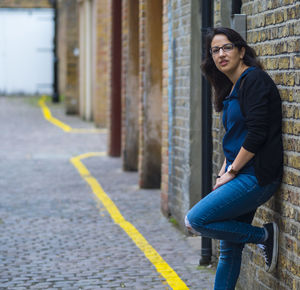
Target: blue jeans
226, 214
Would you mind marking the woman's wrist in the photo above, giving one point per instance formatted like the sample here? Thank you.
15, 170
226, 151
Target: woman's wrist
232, 170
220, 174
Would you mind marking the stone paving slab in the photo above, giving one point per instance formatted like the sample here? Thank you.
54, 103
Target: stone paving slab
54, 234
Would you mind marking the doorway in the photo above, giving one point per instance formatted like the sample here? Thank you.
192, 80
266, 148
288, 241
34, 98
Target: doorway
26, 51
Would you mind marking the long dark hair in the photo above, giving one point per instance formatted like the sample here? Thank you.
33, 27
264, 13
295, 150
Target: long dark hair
219, 81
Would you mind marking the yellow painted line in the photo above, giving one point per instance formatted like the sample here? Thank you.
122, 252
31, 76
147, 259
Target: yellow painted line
152, 255
48, 116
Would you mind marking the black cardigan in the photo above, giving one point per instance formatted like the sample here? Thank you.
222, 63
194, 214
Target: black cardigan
261, 106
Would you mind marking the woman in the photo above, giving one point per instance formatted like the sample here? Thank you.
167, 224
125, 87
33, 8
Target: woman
252, 145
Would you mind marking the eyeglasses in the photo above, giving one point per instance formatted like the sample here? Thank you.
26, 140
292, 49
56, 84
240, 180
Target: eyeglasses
226, 48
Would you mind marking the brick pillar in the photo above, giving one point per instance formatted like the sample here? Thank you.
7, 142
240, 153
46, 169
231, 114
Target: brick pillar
101, 84
115, 97
130, 85
142, 27
72, 60
150, 93
68, 54
101, 54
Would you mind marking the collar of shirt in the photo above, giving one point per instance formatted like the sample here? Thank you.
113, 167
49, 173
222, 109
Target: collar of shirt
235, 90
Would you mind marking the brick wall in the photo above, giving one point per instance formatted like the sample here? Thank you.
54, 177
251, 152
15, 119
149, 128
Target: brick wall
176, 167
67, 43
273, 30
101, 84
25, 4
181, 11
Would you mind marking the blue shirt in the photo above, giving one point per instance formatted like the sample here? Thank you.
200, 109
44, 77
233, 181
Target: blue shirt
235, 126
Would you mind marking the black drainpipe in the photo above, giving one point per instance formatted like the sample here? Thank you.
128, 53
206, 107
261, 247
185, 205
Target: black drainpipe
55, 96
206, 12
236, 7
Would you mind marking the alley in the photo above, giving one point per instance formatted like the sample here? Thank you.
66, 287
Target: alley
56, 234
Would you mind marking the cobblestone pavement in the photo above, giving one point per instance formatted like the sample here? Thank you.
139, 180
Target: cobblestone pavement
55, 234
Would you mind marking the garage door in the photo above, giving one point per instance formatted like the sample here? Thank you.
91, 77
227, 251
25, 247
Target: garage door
26, 51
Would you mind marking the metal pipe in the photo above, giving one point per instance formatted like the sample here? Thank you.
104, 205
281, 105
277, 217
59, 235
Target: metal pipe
206, 11
236, 7
55, 95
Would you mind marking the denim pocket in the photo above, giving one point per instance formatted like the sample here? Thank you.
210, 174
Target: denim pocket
248, 182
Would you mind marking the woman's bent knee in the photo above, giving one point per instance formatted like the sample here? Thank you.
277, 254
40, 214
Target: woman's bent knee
187, 223
189, 226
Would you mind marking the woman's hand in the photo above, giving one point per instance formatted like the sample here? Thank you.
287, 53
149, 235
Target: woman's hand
241, 159
226, 177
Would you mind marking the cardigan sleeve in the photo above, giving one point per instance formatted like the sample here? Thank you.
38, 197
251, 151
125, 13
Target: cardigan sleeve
255, 105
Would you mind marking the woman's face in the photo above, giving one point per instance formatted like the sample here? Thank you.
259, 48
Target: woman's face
229, 59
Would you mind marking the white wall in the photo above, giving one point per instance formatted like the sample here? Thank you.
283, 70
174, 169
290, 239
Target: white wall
26, 51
